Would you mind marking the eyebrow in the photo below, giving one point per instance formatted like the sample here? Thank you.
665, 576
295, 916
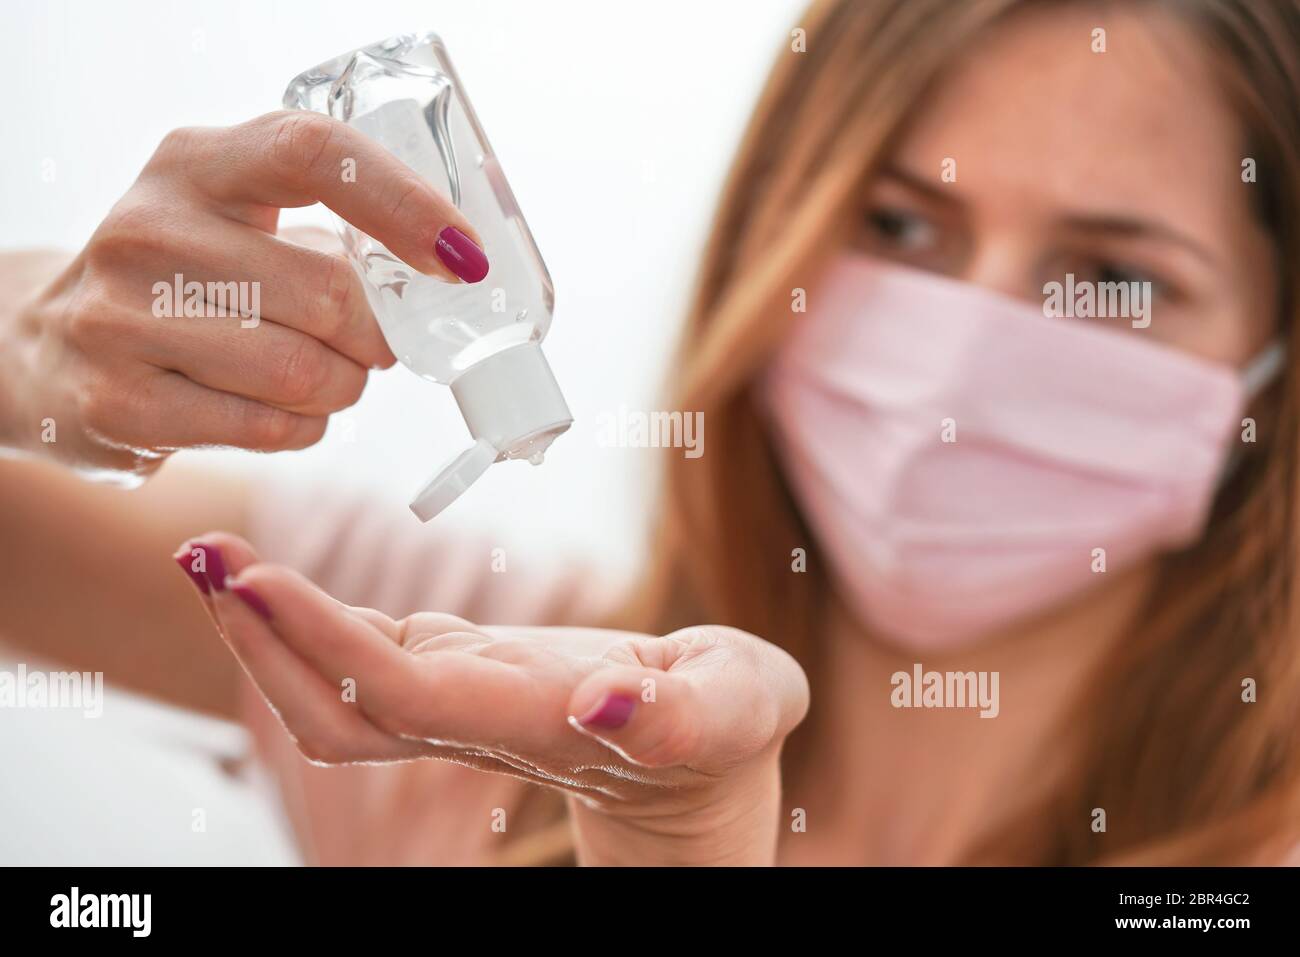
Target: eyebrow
921, 185
1132, 228
1112, 224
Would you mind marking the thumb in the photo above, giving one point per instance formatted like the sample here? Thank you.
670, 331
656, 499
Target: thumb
647, 716
710, 697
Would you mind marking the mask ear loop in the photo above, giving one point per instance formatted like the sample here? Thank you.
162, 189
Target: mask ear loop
1263, 369
1258, 374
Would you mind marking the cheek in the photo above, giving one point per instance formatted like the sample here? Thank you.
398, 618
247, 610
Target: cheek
1246, 317
1228, 313
1261, 318
1245, 312
1232, 329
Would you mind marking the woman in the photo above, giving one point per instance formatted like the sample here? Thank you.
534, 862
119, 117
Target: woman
923, 473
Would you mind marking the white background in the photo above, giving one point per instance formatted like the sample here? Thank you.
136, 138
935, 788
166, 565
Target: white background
614, 122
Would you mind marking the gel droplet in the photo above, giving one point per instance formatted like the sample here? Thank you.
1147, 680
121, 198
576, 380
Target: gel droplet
535, 458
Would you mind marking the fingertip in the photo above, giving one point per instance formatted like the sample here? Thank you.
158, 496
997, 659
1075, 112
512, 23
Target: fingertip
462, 254
250, 597
265, 578
614, 694
613, 710
434, 268
606, 737
187, 562
307, 431
202, 559
215, 555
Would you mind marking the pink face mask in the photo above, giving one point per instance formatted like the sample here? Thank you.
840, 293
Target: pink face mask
961, 459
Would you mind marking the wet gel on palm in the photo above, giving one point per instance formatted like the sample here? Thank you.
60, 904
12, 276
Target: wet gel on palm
483, 340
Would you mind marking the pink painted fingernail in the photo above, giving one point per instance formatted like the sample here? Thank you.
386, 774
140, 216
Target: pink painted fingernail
185, 558
461, 255
612, 712
249, 597
214, 565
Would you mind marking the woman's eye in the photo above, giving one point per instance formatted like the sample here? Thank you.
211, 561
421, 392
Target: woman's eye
901, 230
1119, 273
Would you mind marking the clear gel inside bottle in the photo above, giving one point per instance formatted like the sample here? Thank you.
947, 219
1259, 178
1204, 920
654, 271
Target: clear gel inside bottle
482, 339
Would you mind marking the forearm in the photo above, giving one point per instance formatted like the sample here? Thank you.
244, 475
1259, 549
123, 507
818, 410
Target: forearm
87, 579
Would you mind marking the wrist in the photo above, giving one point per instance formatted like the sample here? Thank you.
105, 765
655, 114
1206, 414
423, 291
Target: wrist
22, 276
732, 823
13, 359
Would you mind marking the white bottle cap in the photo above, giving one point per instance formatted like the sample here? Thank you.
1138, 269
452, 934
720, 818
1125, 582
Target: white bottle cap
514, 410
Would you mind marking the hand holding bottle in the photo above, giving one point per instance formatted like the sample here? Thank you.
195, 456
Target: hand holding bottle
668, 746
124, 385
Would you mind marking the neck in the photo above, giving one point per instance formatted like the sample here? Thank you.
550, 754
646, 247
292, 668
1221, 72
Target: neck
917, 785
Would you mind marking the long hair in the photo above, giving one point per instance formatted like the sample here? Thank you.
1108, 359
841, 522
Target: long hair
1186, 770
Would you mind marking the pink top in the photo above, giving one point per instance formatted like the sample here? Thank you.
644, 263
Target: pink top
375, 554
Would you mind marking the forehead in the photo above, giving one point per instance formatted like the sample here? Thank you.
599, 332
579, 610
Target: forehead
1036, 118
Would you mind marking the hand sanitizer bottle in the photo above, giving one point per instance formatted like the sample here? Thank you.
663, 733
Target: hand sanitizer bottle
482, 339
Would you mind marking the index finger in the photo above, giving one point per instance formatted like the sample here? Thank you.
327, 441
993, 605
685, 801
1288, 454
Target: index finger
295, 158
442, 696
